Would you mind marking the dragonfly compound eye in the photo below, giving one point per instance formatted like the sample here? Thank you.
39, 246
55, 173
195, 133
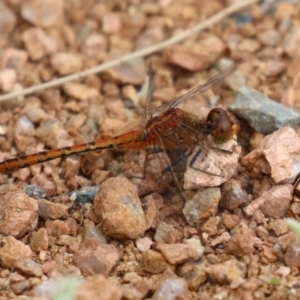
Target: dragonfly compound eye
223, 127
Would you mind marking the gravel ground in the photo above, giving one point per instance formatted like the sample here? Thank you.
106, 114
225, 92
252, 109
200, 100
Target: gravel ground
141, 237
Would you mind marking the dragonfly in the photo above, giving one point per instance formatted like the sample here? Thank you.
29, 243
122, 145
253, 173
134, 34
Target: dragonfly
165, 129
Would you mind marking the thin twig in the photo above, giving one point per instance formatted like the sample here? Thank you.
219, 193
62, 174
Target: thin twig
141, 53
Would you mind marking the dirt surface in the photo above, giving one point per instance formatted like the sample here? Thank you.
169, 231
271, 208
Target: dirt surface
139, 238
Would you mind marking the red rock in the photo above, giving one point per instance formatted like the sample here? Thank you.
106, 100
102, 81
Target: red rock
153, 262
93, 258
152, 204
279, 226
210, 227
111, 23
38, 43
12, 251
42, 13
18, 283
97, 287
39, 240
230, 221
57, 227
50, 210
18, 214
167, 233
292, 256
241, 242
227, 271
66, 63
8, 78
274, 68
28, 267
7, 19
176, 253
119, 206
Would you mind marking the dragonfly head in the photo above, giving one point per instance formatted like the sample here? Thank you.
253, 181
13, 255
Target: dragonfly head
222, 127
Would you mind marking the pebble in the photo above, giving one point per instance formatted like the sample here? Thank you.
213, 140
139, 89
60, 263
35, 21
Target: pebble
13, 59
177, 253
167, 233
143, 244
195, 244
18, 214
172, 289
274, 68
66, 63
152, 204
42, 13
18, 284
226, 272
276, 155
8, 78
202, 206
36, 114
38, 43
153, 262
28, 267
120, 209
93, 232
39, 240
278, 226
98, 287
233, 195
270, 38
50, 210
94, 45
12, 251
242, 241
7, 19
80, 91
278, 200
262, 113
111, 23
249, 45
93, 258
291, 43
132, 72
57, 227
292, 256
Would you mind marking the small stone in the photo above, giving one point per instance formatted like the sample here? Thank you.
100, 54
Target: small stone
177, 253
93, 258
286, 240
93, 232
36, 114
39, 240
210, 227
28, 267
193, 273
43, 13
19, 284
8, 78
57, 227
233, 195
291, 43
18, 214
132, 72
241, 242
13, 59
50, 210
249, 45
221, 239
279, 226
274, 68
167, 233
153, 262
97, 287
80, 91
12, 251
171, 289
270, 37
143, 244
262, 113
292, 256
7, 19
38, 43
152, 204
230, 221
188, 57
66, 63
120, 209
227, 271
111, 23
283, 271
84, 195
95, 45
195, 244
278, 200
202, 206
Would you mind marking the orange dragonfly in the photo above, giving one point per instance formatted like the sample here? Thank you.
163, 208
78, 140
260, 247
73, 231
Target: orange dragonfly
167, 128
